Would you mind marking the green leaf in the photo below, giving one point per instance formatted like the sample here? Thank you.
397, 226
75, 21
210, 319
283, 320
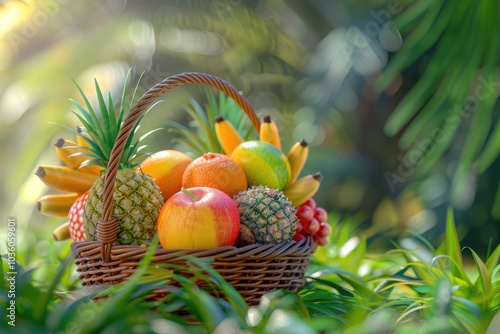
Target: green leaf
89, 112
234, 298
493, 259
361, 289
443, 298
42, 307
492, 147
453, 249
491, 150
113, 122
108, 136
421, 38
200, 303
495, 210
187, 138
484, 276
413, 13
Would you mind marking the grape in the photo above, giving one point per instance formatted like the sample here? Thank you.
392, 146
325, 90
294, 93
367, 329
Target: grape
310, 202
312, 227
324, 230
320, 214
305, 213
305, 227
323, 241
300, 227
299, 236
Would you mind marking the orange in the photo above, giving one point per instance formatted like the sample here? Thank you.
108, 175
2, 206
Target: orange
263, 163
217, 171
166, 168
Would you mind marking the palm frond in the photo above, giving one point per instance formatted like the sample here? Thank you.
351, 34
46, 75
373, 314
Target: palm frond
457, 93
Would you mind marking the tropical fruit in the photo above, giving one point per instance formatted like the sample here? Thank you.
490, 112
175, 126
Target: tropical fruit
56, 205
313, 222
166, 168
297, 157
217, 171
74, 156
227, 135
61, 232
198, 218
137, 199
269, 132
75, 218
66, 178
267, 213
75, 178
245, 237
303, 189
263, 163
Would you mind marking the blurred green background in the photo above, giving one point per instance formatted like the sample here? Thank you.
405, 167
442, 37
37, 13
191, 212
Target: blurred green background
398, 99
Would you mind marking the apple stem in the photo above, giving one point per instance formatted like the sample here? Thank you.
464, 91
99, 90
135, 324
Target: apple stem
190, 194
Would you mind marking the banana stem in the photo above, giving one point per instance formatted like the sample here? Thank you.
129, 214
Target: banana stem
317, 176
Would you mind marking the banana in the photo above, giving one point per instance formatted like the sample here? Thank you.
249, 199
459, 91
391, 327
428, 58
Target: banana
269, 132
297, 157
80, 140
62, 232
227, 135
303, 189
65, 178
71, 154
56, 205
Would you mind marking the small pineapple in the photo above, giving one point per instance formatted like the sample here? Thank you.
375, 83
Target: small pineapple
137, 200
267, 213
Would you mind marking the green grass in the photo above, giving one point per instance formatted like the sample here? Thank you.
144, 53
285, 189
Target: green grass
350, 289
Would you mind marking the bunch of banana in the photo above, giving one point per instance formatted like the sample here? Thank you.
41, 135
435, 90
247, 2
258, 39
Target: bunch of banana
298, 190
73, 179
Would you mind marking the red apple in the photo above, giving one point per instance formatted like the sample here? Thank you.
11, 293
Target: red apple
198, 218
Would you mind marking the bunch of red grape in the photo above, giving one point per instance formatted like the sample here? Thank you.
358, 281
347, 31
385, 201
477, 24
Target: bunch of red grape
312, 221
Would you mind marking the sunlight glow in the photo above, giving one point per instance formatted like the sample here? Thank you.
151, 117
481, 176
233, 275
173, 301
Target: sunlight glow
191, 41
12, 14
254, 316
14, 103
349, 246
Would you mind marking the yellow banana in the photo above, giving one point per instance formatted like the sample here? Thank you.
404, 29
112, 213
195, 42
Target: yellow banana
61, 232
269, 132
227, 135
56, 205
65, 178
303, 189
79, 138
297, 157
68, 150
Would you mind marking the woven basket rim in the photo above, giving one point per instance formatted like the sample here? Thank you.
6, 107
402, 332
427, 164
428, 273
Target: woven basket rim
121, 252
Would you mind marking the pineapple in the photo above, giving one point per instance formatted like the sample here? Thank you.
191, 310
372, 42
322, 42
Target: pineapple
137, 199
267, 213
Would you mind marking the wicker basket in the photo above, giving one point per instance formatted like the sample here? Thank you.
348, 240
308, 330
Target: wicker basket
252, 270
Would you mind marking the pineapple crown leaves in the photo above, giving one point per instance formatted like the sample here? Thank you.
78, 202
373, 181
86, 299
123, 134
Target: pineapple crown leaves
100, 129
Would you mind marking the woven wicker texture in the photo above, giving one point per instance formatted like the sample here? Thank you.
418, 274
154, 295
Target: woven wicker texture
253, 270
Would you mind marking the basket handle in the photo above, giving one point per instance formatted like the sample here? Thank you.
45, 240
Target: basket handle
107, 228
